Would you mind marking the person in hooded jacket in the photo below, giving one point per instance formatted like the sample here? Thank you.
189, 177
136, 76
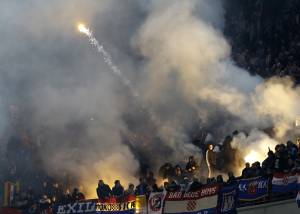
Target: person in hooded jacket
103, 190
118, 189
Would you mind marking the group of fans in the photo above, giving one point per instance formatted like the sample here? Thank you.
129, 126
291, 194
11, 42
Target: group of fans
264, 35
179, 177
285, 159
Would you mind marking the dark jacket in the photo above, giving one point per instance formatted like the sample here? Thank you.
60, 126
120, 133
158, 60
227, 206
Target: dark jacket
118, 191
142, 189
104, 191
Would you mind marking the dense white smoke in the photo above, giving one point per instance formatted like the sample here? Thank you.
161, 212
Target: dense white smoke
174, 54
186, 55
257, 142
179, 42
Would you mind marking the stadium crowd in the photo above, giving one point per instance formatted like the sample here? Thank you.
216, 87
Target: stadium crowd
185, 178
265, 36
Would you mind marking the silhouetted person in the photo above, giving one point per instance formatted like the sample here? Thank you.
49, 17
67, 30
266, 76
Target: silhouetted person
269, 162
174, 187
66, 198
103, 190
231, 178
166, 186
191, 165
130, 190
167, 171
220, 179
150, 178
77, 195
196, 185
179, 175
247, 171
142, 188
44, 203
118, 189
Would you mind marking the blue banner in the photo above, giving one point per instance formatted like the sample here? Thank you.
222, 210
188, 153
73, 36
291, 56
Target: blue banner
228, 199
253, 188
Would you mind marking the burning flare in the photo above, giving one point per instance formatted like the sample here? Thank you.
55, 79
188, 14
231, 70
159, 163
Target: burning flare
83, 29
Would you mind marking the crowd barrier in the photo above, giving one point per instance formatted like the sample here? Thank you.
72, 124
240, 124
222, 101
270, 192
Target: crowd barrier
210, 199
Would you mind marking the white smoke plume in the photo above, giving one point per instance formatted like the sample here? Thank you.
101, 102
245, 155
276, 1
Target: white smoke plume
174, 54
253, 147
179, 43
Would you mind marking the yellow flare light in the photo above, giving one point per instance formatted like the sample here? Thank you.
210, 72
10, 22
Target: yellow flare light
252, 157
83, 29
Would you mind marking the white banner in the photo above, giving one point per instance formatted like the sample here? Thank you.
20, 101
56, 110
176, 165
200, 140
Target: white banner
155, 202
203, 201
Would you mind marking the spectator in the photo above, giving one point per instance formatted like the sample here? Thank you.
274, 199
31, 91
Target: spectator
210, 181
103, 190
44, 203
256, 169
220, 179
118, 189
191, 166
150, 178
155, 188
281, 159
292, 150
247, 171
185, 184
30, 195
46, 190
22, 201
167, 171
77, 195
179, 175
269, 162
195, 185
56, 193
166, 186
130, 190
66, 198
231, 178
142, 188
174, 187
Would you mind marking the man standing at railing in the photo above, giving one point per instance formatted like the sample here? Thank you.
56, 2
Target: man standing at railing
210, 159
118, 189
103, 190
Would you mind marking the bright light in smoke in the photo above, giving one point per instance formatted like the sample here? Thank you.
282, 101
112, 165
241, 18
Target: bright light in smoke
81, 27
252, 157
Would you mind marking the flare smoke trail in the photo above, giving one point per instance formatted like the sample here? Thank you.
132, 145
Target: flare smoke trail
108, 60
106, 56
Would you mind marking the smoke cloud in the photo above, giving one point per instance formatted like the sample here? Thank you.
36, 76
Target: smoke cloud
89, 125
